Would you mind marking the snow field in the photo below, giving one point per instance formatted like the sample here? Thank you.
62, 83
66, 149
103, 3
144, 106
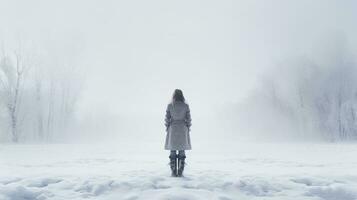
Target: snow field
254, 171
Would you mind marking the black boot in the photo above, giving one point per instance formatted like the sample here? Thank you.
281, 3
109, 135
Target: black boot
173, 164
181, 165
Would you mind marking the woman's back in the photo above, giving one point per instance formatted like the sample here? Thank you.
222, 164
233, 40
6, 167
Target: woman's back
178, 110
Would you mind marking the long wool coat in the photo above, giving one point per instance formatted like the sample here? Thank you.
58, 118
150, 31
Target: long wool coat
178, 123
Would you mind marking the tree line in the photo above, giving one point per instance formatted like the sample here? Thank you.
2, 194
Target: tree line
39, 92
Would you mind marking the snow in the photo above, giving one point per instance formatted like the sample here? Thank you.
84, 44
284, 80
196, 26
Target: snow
121, 172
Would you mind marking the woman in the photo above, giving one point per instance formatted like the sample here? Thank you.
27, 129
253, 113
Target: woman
178, 123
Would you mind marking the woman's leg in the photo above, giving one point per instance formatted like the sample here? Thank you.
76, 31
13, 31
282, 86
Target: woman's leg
173, 153
181, 162
173, 162
182, 153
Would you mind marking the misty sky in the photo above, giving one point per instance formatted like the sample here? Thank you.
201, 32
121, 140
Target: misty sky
135, 53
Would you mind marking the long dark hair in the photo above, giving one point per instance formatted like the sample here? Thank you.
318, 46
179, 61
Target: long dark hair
178, 96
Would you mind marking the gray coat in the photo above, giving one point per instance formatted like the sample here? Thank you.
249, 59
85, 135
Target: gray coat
178, 123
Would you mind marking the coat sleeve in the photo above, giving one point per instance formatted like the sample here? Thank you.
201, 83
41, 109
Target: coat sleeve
188, 117
167, 117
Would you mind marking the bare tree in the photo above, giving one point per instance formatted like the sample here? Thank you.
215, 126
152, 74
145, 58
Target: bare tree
39, 90
12, 78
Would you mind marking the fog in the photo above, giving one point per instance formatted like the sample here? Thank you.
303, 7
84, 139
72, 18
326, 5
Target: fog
131, 55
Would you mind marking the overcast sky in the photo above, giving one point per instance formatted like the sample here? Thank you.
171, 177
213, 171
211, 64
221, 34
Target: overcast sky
135, 53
